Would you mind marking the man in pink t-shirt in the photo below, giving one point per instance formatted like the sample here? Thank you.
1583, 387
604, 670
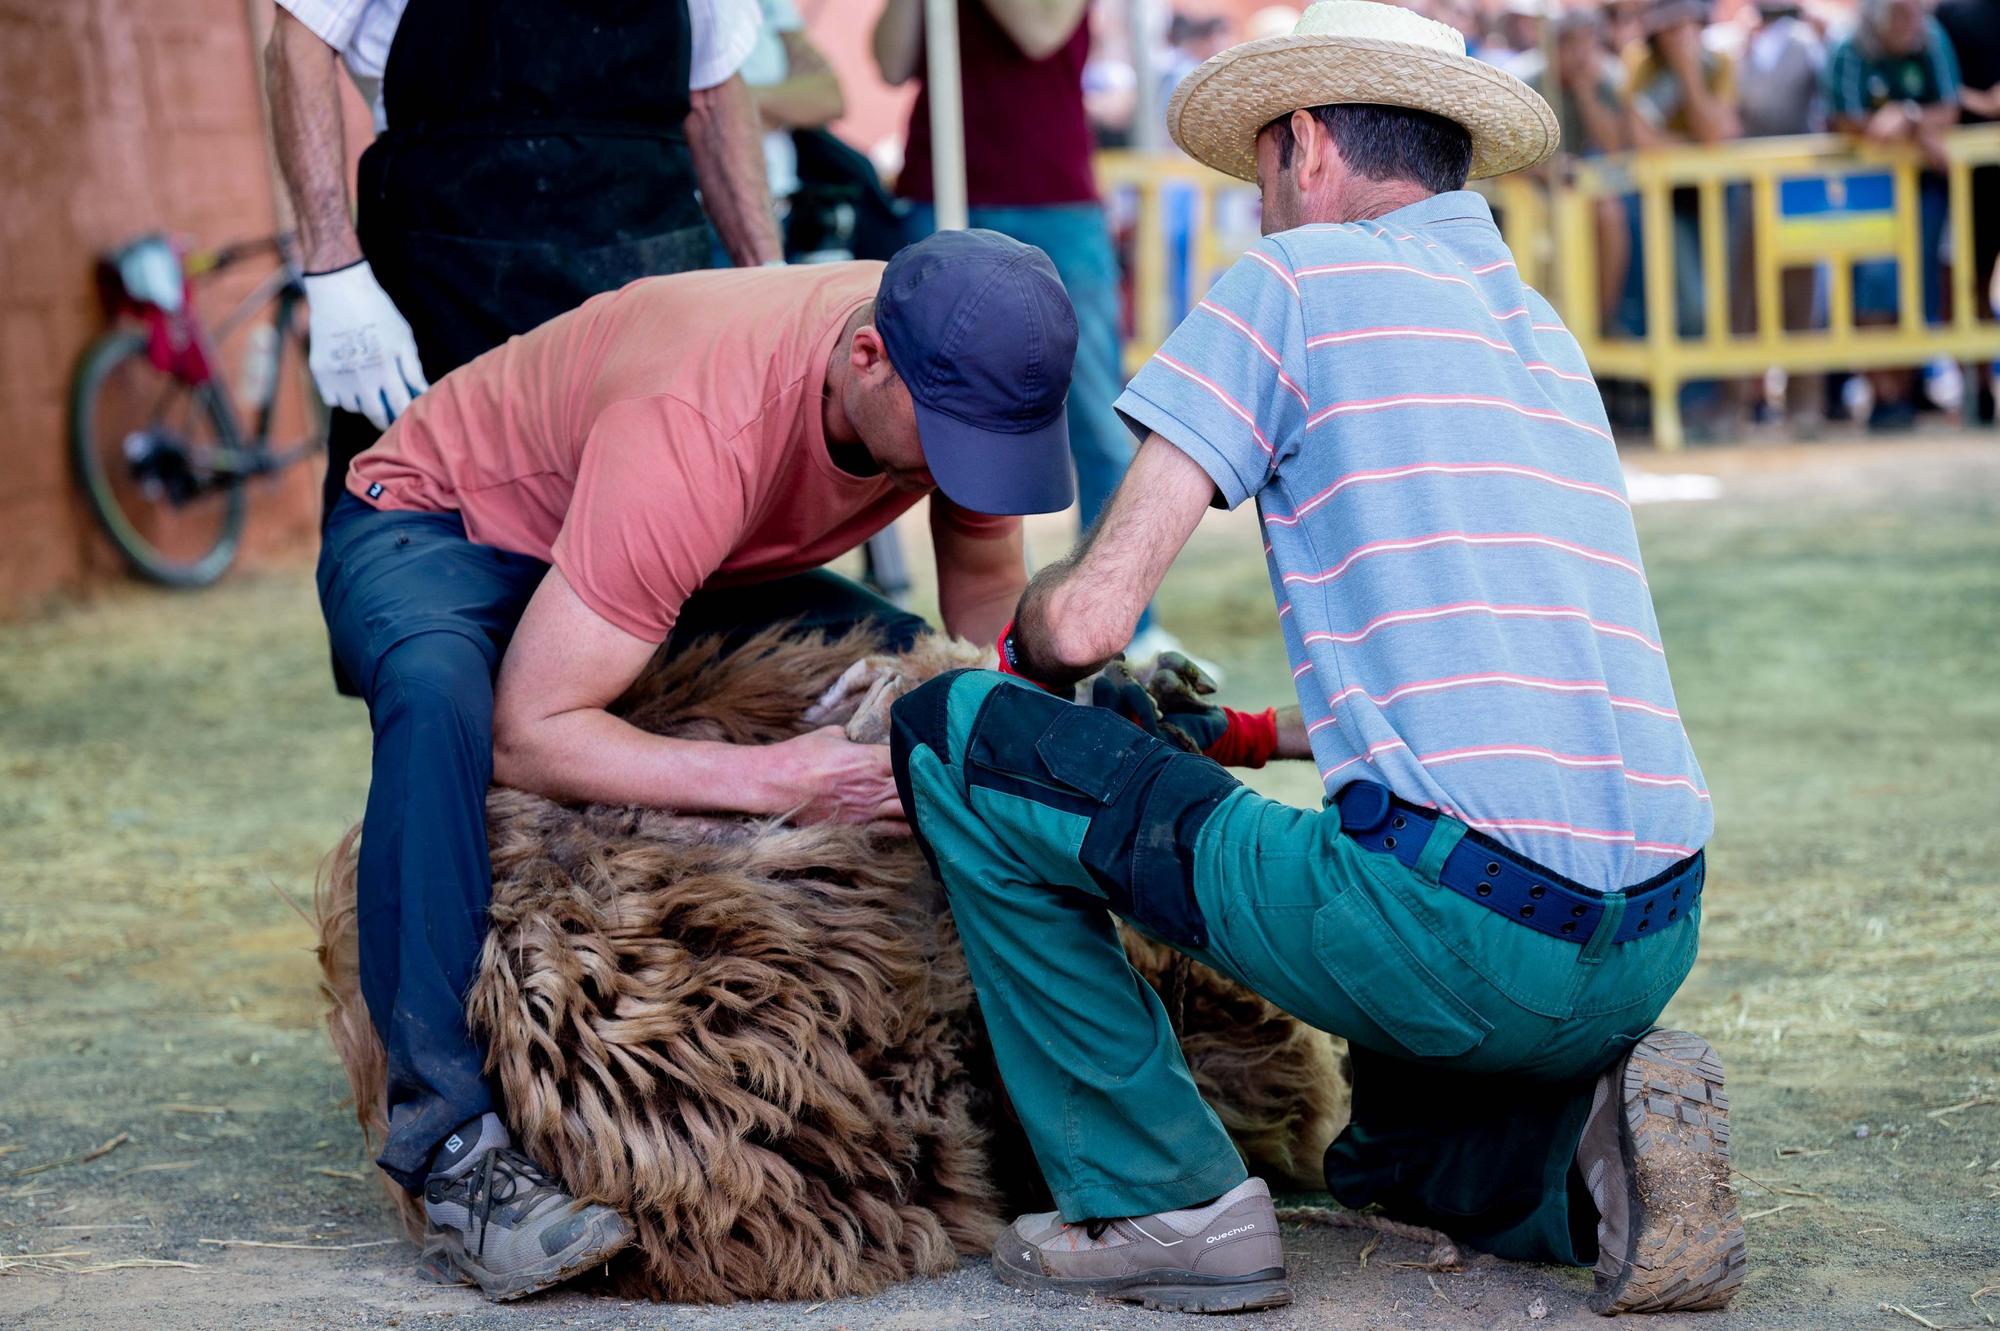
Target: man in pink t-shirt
671, 460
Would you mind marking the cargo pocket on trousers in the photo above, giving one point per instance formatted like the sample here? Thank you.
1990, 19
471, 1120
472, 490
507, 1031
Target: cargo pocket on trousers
1092, 752
1377, 970
1152, 800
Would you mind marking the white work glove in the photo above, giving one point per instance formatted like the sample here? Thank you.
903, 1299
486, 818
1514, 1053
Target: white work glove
364, 358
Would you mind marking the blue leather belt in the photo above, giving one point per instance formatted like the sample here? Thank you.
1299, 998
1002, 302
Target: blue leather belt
1481, 869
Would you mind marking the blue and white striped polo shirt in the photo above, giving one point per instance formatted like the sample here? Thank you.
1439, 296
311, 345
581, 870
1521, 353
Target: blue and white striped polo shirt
1457, 574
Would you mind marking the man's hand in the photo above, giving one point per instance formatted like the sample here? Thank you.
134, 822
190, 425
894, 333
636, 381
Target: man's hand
824, 777
1890, 123
1171, 704
364, 358
553, 736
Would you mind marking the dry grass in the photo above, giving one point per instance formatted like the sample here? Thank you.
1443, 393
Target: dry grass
166, 761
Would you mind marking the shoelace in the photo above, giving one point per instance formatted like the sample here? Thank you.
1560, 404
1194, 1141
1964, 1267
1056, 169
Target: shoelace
488, 1193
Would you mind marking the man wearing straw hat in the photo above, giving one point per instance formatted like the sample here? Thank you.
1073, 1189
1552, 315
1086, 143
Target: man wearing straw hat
1503, 891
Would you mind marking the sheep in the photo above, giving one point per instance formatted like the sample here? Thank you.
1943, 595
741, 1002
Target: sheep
758, 1040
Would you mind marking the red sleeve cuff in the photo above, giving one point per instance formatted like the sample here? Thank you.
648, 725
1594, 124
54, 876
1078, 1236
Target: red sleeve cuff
1249, 740
1008, 664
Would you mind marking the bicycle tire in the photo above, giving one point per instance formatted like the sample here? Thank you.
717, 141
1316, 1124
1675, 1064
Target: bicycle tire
100, 359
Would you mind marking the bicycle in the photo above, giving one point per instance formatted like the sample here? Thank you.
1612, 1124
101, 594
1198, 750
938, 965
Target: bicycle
155, 435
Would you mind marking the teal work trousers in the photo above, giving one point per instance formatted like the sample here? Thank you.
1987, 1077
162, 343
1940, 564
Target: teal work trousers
1475, 1040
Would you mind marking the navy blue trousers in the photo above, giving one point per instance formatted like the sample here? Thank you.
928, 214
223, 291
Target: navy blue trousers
419, 617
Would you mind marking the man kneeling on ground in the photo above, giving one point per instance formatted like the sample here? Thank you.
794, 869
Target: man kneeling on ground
1503, 893
671, 460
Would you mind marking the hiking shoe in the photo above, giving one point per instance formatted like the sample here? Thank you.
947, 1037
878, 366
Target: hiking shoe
1224, 1257
1655, 1157
502, 1222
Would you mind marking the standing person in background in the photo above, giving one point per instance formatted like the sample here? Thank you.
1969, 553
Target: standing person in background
526, 158
1110, 80
1191, 39
1783, 58
1779, 94
1681, 90
1894, 80
1974, 29
1592, 115
1021, 64
794, 88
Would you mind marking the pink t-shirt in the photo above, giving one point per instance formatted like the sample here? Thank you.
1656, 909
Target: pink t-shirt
654, 440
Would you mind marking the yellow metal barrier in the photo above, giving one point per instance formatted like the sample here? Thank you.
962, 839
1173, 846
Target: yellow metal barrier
1764, 172
1553, 231
1147, 180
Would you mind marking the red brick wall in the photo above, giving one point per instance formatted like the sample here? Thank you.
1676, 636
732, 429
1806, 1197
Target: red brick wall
118, 117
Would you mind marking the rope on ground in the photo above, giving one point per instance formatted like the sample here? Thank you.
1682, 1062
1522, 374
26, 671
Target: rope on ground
1444, 1253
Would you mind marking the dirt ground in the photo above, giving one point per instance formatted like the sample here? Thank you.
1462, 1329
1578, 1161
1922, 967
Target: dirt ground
176, 1151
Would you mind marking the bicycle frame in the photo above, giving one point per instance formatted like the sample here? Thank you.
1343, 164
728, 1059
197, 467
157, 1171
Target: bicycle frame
185, 349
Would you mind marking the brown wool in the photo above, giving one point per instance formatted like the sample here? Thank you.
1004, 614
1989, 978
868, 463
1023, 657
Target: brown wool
759, 1041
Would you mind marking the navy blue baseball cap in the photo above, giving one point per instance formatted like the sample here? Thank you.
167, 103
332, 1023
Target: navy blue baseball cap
982, 333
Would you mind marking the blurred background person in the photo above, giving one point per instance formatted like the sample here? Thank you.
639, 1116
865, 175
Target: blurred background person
1110, 82
1590, 108
1517, 33
1681, 91
1893, 79
1191, 39
1028, 175
1974, 29
1783, 62
475, 221
1463, 15
1271, 21
1624, 23
794, 89
1681, 85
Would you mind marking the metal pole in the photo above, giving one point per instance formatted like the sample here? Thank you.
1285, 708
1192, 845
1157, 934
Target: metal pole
941, 83
1552, 85
1149, 126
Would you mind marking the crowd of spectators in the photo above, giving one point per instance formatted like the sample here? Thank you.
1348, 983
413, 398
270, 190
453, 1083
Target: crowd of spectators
1664, 73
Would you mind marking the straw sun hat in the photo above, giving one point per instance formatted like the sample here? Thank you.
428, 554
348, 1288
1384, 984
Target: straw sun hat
1358, 51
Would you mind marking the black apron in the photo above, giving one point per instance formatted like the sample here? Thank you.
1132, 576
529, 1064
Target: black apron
535, 157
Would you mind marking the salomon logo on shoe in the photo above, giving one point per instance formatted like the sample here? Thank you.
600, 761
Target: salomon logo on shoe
454, 1143
1229, 1233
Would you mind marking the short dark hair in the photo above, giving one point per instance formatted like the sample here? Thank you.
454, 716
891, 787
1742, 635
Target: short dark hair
1390, 143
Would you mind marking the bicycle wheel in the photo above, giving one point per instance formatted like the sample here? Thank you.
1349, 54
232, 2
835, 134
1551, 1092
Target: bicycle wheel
144, 446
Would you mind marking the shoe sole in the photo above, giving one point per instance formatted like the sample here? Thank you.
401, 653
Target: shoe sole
450, 1248
1686, 1250
1166, 1291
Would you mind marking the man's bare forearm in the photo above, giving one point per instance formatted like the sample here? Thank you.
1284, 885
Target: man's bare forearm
1710, 119
728, 157
809, 97
898, 42
978, 610
1038, 27
1079, 613
309, 135
591, 756
1292, 739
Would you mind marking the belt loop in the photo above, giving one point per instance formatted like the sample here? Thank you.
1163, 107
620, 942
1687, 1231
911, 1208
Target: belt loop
1607, 929
1446, 833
